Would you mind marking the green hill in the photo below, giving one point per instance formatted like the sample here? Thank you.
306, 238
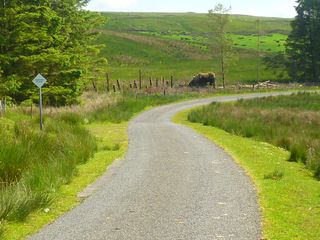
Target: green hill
165, 44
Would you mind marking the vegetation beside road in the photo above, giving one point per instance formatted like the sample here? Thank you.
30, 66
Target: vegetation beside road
42, 172
111, 145
288, 194
290, 122
35, 164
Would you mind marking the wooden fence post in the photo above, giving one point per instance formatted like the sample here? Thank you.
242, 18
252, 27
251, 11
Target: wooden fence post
31, 110
114, 88
150, 82
140, 79
108, 82
4, 105
171, 82
118, 84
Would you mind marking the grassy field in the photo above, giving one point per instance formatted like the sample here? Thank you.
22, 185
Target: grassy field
288, 194
268, 43
162, 45
290, 122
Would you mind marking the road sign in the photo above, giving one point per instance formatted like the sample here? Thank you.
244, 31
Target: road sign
39, 81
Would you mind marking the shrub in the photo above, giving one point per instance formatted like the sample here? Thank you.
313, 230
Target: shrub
298, 153
313, 161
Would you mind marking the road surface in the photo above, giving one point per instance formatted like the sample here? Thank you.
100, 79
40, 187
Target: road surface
173, 184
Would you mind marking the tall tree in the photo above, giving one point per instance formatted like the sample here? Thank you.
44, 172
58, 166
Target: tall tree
303, 46
48, 37
258, 49
220, 17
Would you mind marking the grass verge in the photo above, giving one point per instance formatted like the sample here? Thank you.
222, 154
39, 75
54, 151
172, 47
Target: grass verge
109, 136
288, 194
291, 122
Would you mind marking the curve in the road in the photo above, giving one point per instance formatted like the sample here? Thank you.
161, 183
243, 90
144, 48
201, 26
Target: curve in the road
173, 184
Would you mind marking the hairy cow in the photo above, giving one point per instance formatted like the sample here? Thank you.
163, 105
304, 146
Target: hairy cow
203, 79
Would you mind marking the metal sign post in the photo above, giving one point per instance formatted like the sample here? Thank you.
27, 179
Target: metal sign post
39, 81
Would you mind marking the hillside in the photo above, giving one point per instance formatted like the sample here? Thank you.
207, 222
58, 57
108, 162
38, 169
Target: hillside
165, 44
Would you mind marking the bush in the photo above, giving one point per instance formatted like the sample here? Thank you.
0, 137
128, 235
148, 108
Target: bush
313, 161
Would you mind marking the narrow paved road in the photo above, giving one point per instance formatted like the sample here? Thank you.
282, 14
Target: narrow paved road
173, 184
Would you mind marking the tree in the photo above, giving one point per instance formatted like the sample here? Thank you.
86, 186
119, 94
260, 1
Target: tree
302, 46
278, 64
48, 37
258, 49
220, 18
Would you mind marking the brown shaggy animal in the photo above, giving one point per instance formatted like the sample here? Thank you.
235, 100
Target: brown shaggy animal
203, 79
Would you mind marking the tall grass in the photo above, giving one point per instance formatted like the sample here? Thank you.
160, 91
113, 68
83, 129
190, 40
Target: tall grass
34, 164
290, 122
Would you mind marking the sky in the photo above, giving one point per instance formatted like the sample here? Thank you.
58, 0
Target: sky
270, 8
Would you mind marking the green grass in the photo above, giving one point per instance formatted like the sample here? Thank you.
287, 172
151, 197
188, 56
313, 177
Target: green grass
191, 23
288, 195
290, 122
34, 164
300, 101
163, 44
127, 57
130, 105
268, 43
65, 198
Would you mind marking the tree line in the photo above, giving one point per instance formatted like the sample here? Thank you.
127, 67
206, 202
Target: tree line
301, 59
300, 62
50, 37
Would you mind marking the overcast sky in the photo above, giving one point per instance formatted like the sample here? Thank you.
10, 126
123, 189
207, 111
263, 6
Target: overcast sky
274, 8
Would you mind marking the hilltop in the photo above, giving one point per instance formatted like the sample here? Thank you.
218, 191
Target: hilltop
165, 44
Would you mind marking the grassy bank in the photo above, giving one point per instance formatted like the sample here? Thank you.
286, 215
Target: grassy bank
288, 195
111, 144
290, 122
35, 164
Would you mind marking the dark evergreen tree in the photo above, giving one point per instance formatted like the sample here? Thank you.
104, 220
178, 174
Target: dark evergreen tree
303, 48
51, 37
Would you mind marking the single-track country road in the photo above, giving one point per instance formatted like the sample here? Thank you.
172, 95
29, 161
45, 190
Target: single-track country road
173, 184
